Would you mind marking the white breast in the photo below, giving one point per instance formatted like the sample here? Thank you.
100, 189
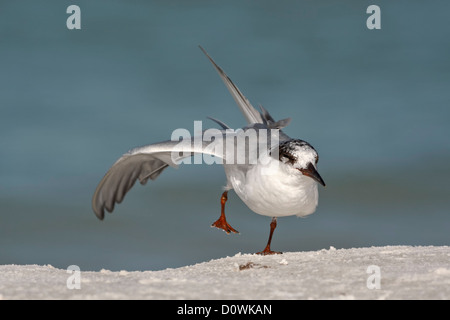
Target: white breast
274, 190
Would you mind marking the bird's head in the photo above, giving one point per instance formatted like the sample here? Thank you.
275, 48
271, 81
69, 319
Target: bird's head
301, 156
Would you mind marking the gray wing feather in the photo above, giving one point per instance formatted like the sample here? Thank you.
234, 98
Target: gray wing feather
220, 123
270, 122
250, 113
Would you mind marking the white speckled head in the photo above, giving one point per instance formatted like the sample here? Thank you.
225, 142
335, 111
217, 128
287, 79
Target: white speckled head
299, 153
301, 156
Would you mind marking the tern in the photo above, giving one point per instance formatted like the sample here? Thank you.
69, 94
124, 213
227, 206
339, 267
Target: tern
284, 184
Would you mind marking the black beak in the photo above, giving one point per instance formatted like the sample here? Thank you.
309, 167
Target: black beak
311, 172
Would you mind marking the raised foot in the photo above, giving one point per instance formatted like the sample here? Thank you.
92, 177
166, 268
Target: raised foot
223, 224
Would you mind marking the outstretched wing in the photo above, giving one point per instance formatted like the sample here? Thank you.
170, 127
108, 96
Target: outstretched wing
141, 164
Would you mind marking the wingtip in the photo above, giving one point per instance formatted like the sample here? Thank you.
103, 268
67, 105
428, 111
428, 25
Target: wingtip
100, 214
219, 69
250, 113
98, 209
204, 51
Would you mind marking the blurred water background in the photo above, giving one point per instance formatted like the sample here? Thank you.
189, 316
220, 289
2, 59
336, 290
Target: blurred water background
374, 103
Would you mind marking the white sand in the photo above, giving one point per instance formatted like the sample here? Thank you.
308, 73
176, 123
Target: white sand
404, 272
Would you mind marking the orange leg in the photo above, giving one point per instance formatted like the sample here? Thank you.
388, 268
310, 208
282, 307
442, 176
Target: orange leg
222, 223
267, 250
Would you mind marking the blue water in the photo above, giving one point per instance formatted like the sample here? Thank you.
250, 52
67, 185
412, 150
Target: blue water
374, 103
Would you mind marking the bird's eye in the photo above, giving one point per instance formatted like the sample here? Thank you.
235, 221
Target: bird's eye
317, 159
